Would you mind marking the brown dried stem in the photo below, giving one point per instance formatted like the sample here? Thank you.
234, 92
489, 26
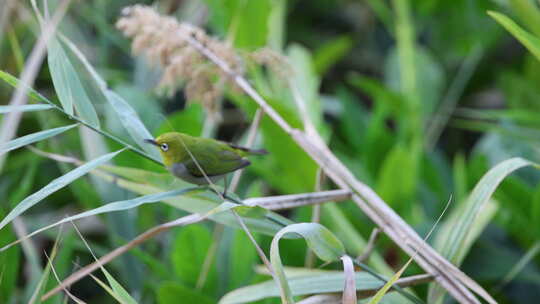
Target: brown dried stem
370, 245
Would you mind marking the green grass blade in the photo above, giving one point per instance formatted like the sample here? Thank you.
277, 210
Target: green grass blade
56, 185
305, 282
34, 137
15, 83
382, 292
405, 39
25, 108
68, 84
323, 243
120, 292
528, 13
466, 219
331, 53
521, 264
116, 290
201, 202
132, 123
531, 42
478, 197
110, 207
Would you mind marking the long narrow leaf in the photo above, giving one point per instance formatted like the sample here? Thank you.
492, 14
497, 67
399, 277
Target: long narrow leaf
477, 199
455, 237
531, 42
323, 243
132, 123
382, 292
200, 202
110, 207
25, 108
34, 137
55, 185
117, 291
15, 83
69, 85
311, 281
128, 116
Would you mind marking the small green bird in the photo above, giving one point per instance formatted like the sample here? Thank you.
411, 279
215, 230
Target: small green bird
215, 158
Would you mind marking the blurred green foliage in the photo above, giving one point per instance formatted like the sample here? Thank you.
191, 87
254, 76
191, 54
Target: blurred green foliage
419, 99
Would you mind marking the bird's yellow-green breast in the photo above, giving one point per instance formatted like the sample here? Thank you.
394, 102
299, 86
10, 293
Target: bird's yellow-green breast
185, 155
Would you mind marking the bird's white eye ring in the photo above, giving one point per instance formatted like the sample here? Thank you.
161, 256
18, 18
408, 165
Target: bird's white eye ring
164, 147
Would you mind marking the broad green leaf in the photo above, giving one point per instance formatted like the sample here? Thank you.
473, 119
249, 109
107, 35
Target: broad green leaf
68, 84
132, 123
531, 42
56, 185
466, 218
174, 292
188, 254
25, 108
32, 138
323, 243
398, 176
406, 53
316, 282
240, 260
249, 24
331, 52
426, 84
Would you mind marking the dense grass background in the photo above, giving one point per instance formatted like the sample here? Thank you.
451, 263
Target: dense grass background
418, 98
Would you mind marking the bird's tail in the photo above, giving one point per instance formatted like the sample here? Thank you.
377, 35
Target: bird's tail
251, 151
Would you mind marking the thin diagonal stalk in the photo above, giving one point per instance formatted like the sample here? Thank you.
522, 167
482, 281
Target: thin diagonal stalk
218, 229
149, 234
370, 245
315, 216
441, 117
260, 252
249, 143
448, 275
10, 123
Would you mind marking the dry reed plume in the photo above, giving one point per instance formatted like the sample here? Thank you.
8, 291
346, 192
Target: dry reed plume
163, 40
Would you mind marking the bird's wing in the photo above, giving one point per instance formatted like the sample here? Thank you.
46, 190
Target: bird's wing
215, 160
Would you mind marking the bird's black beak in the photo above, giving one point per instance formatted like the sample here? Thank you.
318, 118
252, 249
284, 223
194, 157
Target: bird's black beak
151, 141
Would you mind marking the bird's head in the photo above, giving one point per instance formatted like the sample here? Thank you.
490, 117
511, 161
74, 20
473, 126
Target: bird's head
171, 146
